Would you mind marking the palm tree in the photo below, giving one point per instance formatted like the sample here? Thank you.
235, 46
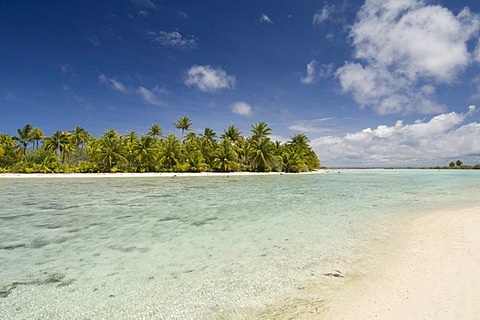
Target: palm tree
58, 142
147, 151
209, 134
191, 136
260, 130
24, 138
183, 123
231, 133
36, 136
131, 141
225, 156
263, 154
8, 156
244, 150
292, 162
170, 152
110, 150
155, 131
300, 139
80, 136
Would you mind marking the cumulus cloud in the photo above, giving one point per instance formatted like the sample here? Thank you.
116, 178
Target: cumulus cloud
209, 79
241, 108
172, 39
323, 14
400, 45
150, 96
113, 83
435, 142
265, 19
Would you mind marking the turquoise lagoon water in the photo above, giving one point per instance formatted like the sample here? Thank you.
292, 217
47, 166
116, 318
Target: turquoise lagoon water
203, 247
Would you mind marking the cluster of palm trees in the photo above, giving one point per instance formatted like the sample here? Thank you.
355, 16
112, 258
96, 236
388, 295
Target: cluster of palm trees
79, 151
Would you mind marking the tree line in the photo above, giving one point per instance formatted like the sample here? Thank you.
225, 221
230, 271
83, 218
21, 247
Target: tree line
77, 151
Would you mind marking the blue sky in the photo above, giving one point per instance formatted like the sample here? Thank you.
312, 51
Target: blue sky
371, 83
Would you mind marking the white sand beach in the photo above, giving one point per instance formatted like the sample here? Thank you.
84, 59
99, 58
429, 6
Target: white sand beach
433, 274
146, 174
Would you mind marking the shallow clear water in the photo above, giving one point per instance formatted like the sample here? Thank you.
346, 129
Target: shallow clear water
202, 247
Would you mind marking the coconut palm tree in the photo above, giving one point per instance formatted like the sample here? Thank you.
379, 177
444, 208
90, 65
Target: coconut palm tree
131, 141
208, 134
292, 161
36, 136
58, 142
260, 130
183, 123
263, 154
231, 133
80, 137
155, 131
147, 150
225, 157
110, 150
24, 138
9, 156
243, 150
170, 152
299, 139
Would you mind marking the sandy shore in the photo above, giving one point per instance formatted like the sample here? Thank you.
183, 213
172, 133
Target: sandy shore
147, 174
433, 274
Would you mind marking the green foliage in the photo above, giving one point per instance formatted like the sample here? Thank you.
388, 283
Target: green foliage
183, 123
77, 151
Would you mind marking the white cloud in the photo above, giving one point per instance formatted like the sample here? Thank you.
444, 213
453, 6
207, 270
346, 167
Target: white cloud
323, 14
265, 19
311, 126
183, 15
399, 45
313, 73
149, 96
208, 79
310, 77
115, 84
443, 137
242, 108
143, 13
172, 39
280, 138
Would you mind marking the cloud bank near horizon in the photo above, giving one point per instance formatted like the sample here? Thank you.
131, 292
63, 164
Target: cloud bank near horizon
443, 138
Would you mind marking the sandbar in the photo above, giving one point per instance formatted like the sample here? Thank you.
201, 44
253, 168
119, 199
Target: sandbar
432, 273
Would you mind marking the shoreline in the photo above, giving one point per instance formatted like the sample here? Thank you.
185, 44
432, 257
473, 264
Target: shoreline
432, 272
150, 174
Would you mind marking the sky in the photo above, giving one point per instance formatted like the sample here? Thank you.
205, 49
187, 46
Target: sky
371, 83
